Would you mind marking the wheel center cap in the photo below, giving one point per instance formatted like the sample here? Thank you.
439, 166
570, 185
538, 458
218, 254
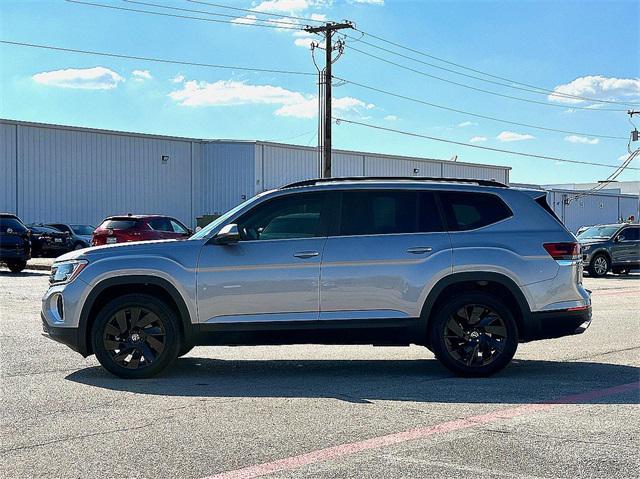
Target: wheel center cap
135, 337
475, 334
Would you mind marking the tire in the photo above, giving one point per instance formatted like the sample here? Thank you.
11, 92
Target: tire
120, 341
474, 335
16, 266
184, 350
599, 266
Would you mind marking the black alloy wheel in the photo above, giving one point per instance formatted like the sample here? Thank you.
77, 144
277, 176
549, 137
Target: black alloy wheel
136, 336
475, 334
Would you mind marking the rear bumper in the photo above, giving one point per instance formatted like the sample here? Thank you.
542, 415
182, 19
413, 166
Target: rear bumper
67, 336
555, 324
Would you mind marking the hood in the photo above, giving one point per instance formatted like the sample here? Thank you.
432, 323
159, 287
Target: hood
119, 249
591, 241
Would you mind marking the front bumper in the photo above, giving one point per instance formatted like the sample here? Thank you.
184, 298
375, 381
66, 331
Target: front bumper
555, 324
67, 336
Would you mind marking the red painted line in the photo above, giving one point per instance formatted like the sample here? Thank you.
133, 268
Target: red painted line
328, 453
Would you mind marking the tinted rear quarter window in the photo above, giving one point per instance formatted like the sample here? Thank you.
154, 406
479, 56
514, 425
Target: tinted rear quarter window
119, 224
467, 211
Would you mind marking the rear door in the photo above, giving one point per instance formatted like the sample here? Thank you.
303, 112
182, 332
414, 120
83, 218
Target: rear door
626, 248
387, 247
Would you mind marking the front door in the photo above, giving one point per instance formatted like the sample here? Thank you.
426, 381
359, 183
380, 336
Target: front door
626, 248
272, 273
389, 248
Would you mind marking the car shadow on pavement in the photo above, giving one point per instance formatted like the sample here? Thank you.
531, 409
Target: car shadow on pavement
24, 274
362, 381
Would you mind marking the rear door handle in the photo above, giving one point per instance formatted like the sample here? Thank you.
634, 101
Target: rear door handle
420, 250
305, 254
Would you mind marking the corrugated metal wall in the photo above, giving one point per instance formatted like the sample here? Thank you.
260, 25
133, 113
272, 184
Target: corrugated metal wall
223, 177
8, 158
83, 176
592, 209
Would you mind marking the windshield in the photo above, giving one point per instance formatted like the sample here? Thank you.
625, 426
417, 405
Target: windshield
204, 232
598, 232
85, 230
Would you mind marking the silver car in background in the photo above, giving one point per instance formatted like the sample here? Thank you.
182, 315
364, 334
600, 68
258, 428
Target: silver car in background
466, 268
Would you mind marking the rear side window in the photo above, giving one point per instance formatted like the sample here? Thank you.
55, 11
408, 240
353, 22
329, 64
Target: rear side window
160, 224
119, 224
468, 211
388, 212
11, 225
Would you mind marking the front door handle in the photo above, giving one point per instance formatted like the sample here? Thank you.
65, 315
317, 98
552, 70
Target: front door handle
420, 250
305, 254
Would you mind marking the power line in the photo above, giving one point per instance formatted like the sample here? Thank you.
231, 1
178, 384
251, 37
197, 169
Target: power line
499, 150
248, 10
173, 15
475, 70
481, 89
477, 115
537, 90
152, 59
207, 13
611, 178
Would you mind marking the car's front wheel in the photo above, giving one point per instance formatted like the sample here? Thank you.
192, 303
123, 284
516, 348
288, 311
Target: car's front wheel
599, 266
135, 336
475, 334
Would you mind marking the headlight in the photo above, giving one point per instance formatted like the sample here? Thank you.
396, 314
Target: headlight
66, 271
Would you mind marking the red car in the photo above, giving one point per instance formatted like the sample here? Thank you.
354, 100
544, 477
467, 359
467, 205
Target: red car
123, 229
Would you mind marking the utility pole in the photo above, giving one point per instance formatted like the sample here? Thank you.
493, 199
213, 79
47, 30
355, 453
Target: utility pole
327, 29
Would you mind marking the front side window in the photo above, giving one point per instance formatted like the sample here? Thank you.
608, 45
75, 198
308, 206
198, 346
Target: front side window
160, 224
468, 211
285, 217
388, 212
630, 234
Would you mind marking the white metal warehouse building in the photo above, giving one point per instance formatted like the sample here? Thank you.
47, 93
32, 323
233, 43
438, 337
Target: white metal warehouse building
53, 173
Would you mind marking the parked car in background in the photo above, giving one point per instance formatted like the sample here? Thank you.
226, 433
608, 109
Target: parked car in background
80, 234
582, 229
47, 241
124, 229
15, 242
614, 247
466, 268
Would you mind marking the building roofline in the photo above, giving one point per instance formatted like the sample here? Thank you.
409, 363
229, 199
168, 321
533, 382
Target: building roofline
249, 142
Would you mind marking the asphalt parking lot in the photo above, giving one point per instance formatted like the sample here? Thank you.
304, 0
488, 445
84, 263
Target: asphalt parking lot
563, 408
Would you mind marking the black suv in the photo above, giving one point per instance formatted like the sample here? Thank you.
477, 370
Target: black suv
15, 244
614, 247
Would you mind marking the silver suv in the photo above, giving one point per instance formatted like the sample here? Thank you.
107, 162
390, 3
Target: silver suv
467, 268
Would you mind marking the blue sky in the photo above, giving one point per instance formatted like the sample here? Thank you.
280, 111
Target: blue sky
585, 48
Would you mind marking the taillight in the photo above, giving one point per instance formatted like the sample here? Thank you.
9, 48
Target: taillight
557, 251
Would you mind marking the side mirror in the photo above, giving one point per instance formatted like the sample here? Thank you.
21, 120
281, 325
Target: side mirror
618, 239
228, 235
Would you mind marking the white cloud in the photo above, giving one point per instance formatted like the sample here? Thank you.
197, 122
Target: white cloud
391, 118
304, 42
581, 139
477, 139
283, 6
597, 87
467, 123
319, 17
229, 92
369, 2
178, 78
141, 75
246, 20
512, 136
97, 78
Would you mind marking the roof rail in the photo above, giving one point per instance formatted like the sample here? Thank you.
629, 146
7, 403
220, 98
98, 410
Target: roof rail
340, 179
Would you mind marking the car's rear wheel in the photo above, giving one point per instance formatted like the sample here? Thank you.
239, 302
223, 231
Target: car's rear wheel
474, 335
16, 266
599, 266
135, 336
